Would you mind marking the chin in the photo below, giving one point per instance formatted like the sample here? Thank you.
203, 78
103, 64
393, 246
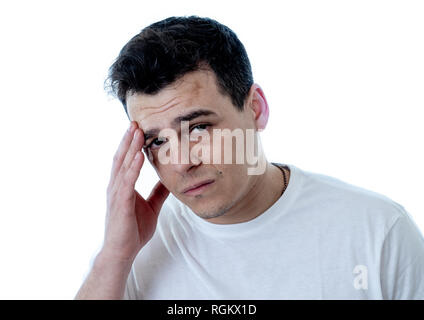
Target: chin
211, 210
210, 214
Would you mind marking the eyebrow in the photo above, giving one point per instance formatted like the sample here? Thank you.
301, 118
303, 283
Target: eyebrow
187, 117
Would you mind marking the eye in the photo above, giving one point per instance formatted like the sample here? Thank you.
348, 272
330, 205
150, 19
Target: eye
200, 127
156, 143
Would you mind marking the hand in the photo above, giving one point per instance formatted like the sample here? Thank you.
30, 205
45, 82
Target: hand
130, 219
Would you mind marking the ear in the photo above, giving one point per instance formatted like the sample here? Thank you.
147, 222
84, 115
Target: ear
258, 105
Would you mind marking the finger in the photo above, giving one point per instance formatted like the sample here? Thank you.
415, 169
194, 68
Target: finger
122, 150
136, 144
157, 196
132, 174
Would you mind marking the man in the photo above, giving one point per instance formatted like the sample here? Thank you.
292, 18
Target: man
214, 229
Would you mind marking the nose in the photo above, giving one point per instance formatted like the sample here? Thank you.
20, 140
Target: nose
189, 157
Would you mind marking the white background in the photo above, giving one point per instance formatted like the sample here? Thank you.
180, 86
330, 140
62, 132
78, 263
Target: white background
344, 81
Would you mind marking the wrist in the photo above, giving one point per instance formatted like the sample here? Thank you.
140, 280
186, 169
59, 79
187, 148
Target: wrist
106, 260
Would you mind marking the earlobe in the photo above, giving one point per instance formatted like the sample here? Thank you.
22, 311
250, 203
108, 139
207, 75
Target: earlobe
259, 106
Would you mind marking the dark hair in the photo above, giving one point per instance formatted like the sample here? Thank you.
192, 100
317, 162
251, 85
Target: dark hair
166, 50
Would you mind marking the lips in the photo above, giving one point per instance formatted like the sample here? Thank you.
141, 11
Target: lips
194, 186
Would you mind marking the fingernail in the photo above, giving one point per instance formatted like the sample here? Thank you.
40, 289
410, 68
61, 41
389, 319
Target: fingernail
136, 134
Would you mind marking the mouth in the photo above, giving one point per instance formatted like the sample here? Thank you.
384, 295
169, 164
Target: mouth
198, 188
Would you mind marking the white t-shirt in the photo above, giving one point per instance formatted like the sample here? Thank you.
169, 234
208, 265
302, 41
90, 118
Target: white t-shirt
322, 239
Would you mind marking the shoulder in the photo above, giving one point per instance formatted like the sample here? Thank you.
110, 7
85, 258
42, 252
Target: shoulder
346, 203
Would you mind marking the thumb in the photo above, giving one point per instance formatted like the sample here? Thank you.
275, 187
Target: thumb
157, 196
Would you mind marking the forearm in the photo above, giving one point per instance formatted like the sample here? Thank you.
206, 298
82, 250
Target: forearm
106, 280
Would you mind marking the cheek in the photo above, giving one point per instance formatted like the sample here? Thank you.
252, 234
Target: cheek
226, 178
166, 174
159, 170
229, 147
153, 156
233, 178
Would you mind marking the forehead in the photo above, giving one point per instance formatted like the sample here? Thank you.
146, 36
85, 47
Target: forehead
196, 89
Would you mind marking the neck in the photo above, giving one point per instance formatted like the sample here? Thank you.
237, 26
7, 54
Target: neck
263, 191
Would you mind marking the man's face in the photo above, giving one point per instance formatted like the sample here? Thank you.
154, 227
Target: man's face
195, 91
